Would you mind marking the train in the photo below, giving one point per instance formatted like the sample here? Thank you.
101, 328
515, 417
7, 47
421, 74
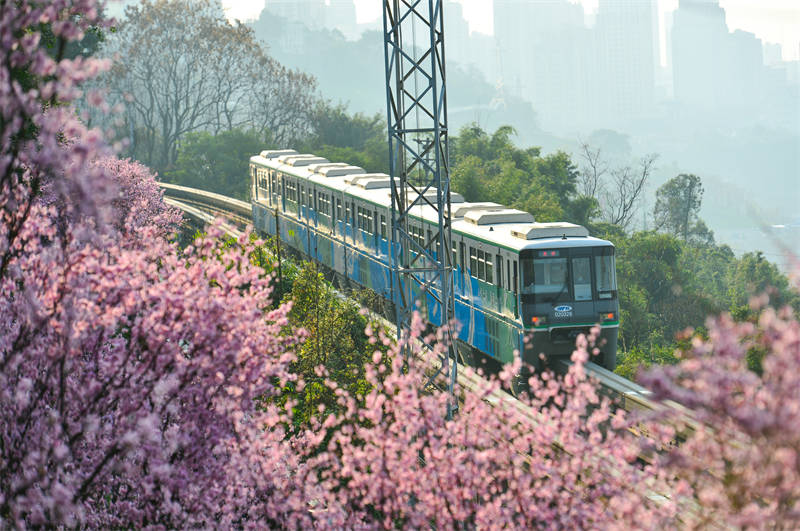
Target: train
521, 288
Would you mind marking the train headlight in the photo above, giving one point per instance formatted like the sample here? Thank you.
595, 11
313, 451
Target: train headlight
607, 316
539, 320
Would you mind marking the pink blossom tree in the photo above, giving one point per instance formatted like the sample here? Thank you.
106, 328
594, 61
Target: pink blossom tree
744, 463
129, 372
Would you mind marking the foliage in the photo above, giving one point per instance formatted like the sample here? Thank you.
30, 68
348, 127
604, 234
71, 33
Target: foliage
217, 163
743, 468
356, 139
490, 168
335, 346
185, 68
677, 207
631, 362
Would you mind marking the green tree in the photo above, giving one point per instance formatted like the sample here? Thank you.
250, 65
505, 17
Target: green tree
216, 163
677, 207
489, 167
336, 341
356, 139
753, 275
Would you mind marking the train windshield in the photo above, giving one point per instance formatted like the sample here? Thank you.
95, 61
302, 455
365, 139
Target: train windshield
561, 275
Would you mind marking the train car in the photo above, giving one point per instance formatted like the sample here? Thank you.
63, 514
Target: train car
514, 278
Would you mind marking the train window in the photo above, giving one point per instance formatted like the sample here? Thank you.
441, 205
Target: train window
364, 220
383, 226
454, 257
582, 277
499, 261
461, 253
418, 235
516, 279
508, 275
605, 272
473, 262
481, 265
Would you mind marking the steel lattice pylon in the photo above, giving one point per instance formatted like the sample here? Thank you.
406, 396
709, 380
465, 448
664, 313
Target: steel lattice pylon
416, 102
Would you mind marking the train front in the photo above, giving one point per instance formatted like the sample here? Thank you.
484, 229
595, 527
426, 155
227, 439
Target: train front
566, 289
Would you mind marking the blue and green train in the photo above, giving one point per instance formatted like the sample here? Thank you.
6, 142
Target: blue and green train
514, 278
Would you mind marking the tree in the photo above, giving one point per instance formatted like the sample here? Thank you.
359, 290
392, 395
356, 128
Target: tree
617, 190
280, 102
490, 168
742, 461
185, 68
357, 139
678, 205
126, 400
333, 126
335, 346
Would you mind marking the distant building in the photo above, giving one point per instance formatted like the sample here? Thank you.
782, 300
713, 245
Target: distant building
341, 15
711, 66
542, 57
773, 54
626, 36
457, 45
311, 13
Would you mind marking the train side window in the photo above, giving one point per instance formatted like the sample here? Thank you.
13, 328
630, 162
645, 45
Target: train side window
487, 258
383, 226
461, 253
473, 262
508, 275
515, 284
499, 261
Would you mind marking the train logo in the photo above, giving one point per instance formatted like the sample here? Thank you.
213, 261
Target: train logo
563, 311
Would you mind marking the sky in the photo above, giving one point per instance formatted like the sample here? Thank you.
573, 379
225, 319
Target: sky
771, 20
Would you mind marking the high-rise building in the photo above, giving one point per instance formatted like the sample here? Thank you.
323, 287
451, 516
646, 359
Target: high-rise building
310, 12
457, 46
341, 15
541, 51
626, 36
699, 34
711, 66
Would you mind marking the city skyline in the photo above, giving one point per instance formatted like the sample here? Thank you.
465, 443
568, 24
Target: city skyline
773, 21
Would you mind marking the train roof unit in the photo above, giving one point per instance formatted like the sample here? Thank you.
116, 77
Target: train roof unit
536, 231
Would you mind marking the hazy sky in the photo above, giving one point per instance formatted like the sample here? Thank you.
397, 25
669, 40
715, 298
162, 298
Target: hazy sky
771, 20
